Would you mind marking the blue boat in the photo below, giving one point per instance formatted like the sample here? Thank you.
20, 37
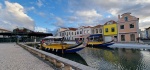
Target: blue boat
96, 40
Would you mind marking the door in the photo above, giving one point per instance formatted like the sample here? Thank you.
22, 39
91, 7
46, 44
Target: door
108, 38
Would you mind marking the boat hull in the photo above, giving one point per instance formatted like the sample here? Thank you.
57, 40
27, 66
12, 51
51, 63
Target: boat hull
104, 45
73, 50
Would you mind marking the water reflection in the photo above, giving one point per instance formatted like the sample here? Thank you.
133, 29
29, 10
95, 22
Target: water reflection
73, 56
117, 59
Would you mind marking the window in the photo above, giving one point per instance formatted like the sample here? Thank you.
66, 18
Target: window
106, 29
126, 18
100, 30
96, 30
131, 26
121, 26
132, 37
93, 31
122, 37
72, 33
84, 31
113, 29
80, 32
87, 31
77, 32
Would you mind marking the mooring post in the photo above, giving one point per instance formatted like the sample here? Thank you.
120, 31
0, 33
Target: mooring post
62, 49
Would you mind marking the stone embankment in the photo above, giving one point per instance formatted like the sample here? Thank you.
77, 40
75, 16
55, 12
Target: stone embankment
57, 61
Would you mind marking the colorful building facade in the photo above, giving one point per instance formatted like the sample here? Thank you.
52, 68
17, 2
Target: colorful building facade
110, 31
128, 28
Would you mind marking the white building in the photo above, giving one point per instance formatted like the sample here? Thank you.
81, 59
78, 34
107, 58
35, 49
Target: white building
98, 29
67, 33
143, 34
84, 30
148, 32
60, 31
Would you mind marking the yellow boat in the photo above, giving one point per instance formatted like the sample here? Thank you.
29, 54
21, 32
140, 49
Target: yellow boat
56, 44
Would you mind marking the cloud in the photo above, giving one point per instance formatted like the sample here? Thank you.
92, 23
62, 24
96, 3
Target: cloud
85, 17
59, 22
39, 3
138, 8
29, 9
40, 29
13, 15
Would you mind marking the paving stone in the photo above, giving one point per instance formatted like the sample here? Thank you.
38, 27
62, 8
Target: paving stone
14, 57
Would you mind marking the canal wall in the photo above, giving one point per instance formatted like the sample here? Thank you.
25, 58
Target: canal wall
58, 61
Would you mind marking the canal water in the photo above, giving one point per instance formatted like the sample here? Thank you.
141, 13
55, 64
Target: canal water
112, 59
116, 59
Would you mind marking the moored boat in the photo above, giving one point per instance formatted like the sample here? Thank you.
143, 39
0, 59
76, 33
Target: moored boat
96, 40
56, 44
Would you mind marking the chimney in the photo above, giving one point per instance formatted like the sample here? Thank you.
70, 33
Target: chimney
118, 16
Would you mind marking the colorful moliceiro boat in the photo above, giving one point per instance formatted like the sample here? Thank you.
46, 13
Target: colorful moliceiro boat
56, 44
96, 40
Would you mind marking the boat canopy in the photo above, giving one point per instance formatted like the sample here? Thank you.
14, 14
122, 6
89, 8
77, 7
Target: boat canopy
52, 37
82, 36
96, 35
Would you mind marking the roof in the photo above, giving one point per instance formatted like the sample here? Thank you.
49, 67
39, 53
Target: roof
73, 29
147, 28
111, 22
98, 26
49, 37
87, 26
125, 13
4, 30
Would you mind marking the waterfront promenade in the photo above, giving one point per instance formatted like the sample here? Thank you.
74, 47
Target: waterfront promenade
14, 57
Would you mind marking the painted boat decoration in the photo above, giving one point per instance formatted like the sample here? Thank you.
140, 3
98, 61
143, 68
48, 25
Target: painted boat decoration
56, 44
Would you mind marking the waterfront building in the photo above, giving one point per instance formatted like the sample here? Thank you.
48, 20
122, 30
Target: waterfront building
84, 30
70, 33
4, 30
143, 34
23, 34
60, 31
128, 28
148, 32
67, 33
110, 31
97, 31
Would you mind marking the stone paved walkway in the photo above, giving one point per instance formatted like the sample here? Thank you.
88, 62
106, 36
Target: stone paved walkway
14, 57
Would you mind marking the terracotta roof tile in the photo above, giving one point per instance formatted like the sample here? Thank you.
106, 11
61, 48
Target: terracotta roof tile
112, 21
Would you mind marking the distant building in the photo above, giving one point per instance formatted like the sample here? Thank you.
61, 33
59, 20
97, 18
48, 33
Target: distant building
148, 32
84, 30
143, 34
60, 31
110, 31
67, 33
4, 30
98, 29
128, 28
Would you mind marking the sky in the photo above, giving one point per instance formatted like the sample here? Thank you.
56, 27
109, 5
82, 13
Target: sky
49, 15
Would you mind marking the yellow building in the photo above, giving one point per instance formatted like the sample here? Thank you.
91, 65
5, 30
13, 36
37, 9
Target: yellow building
110, 31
